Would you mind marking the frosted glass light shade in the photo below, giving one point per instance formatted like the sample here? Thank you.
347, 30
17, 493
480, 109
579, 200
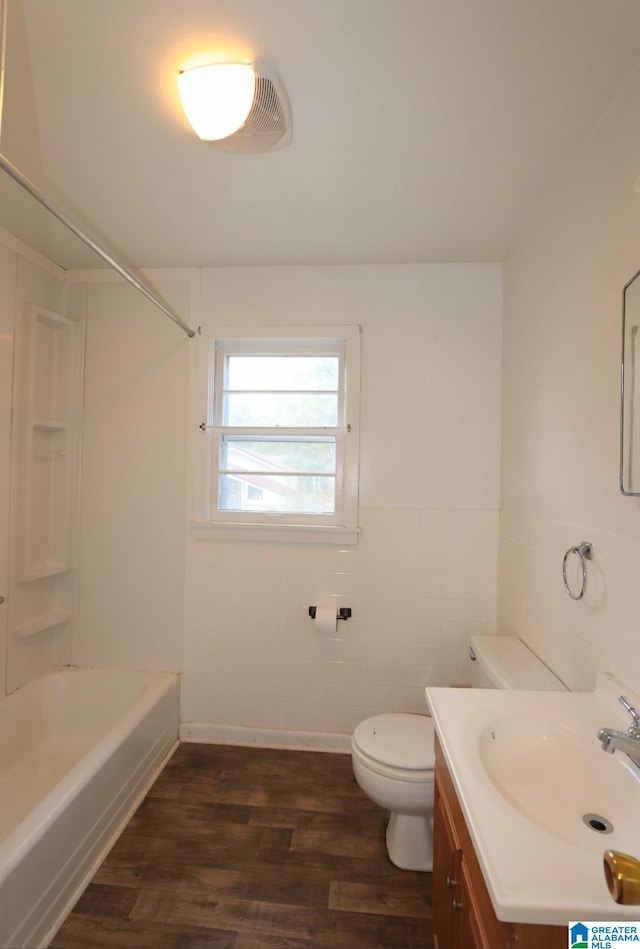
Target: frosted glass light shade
217, 98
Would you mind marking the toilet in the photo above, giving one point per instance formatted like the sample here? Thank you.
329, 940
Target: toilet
393, 755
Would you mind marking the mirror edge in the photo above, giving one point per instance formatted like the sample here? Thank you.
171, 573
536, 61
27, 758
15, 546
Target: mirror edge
623, 490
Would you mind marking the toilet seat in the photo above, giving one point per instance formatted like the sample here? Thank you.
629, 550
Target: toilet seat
398, 745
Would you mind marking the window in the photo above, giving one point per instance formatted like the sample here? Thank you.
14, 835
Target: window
279, 426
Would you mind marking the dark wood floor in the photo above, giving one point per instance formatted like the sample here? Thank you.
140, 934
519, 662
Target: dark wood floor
250, 848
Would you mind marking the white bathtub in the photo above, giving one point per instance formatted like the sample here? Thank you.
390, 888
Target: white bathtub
78, 749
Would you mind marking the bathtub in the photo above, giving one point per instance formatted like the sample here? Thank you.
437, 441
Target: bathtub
78, 750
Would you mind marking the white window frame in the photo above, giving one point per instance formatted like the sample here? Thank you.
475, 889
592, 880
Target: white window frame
213, 345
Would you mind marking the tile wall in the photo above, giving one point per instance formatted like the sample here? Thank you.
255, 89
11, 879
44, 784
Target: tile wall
419, 582
599, 632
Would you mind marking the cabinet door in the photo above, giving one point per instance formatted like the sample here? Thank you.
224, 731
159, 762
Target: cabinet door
473, 933
446, 885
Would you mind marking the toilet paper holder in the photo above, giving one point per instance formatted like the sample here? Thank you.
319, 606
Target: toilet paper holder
343, 613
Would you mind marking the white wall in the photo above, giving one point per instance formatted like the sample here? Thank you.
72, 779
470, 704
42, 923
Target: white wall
134, 475
422, 577
563, 285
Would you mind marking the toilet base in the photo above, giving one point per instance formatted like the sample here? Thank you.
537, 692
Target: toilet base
410, 841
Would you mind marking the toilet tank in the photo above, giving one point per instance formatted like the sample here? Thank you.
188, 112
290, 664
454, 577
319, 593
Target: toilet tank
504, 662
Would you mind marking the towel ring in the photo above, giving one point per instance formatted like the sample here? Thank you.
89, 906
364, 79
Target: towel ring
583, 551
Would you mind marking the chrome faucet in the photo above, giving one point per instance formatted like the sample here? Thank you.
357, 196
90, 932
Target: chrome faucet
629, 741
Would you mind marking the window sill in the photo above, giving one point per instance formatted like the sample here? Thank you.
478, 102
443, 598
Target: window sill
279, 533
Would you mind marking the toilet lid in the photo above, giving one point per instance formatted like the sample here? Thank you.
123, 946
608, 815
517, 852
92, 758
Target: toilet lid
400, 739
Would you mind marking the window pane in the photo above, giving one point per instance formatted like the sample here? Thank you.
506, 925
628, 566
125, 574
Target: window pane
277, 493
282, 372
287, 411
282, 455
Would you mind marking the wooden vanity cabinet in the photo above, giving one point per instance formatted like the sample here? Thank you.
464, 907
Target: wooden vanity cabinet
463, 915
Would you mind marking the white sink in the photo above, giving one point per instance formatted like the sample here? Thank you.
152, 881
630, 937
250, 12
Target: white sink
561, 781
542, 800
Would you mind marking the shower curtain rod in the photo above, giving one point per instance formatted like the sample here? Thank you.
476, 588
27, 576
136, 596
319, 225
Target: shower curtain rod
62, 216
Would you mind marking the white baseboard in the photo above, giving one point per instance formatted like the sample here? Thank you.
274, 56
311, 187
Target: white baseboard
204, 733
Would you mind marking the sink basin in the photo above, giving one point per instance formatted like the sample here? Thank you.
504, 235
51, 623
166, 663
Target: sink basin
562, 781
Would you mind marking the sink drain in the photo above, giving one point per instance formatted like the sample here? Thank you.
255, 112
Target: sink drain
598, 823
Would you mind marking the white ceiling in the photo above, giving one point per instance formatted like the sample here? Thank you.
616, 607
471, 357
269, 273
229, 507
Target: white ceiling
423, 130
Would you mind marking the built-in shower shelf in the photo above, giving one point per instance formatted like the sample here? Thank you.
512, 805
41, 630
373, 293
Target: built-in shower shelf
49, 360
51, 424
44, 570
43, 623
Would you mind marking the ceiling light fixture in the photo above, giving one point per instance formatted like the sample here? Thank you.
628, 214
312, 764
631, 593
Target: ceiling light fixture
237, 107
